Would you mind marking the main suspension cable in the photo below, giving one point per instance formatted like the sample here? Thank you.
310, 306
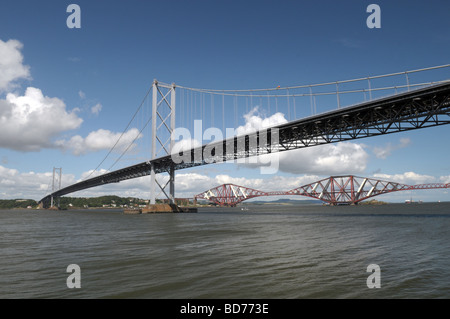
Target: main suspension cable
121, 135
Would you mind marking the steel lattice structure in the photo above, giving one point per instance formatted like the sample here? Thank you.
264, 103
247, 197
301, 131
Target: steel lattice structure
348, 189
231, 194
334, 190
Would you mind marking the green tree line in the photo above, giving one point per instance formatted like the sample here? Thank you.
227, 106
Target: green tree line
17, 203
109, 200
66, 202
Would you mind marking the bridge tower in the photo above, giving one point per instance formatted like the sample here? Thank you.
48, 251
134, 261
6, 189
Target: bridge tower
163, 124
56, 183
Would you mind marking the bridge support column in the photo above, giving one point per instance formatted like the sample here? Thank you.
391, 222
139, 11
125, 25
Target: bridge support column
152, 185
163, 124
56, 183
172, 184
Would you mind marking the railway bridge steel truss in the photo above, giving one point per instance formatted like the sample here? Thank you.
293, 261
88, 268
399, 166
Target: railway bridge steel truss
335, 190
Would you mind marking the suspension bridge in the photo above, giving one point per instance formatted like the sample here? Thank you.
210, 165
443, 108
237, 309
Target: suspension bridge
335, 190
297, 117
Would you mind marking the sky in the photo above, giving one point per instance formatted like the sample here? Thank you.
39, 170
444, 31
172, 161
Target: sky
67, 94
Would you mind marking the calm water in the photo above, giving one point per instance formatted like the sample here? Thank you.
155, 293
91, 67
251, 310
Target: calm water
266, 252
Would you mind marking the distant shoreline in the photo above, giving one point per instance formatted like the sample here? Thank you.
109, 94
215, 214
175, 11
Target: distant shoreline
115, 202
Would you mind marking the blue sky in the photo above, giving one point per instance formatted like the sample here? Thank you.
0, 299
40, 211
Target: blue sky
110, 62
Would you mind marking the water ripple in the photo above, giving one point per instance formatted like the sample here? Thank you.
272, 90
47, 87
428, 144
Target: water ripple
269, 252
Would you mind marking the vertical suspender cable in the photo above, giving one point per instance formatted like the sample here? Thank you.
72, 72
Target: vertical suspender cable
289, 106
276, 103
179, 110
315, 105
223, 112
407, 79
195, 106
212, 109
235, 111
201, 107
337, 95
204, 106
192, 111
295, 111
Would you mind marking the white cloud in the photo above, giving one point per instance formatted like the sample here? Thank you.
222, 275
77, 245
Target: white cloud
14, 184
445, 179
255, 122
329, 159
96, 109
31, 121
99, 140
11, 65
91, 173
408, 178
274, 183
27, 123
384, 152
189, 184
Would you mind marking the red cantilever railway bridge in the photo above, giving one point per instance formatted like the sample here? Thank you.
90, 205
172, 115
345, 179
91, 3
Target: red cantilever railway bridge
335, 190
